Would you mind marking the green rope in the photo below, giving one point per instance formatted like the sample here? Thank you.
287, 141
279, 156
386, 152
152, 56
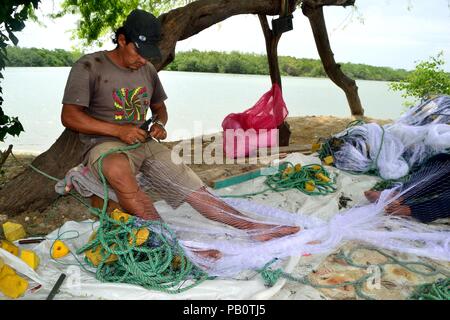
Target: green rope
271, 276
311, 179
35, 169
354, 123
150, 265
390, 183
439, 290
383, 185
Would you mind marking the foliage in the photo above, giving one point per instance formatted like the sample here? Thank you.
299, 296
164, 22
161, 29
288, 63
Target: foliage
33, 57
213, 61
247, 63
426, 80
99, 17
13, 13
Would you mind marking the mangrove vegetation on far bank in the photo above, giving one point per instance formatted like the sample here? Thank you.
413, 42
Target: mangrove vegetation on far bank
33, 57
216, 62
248, 63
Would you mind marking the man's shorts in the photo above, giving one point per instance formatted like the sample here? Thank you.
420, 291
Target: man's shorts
173, 182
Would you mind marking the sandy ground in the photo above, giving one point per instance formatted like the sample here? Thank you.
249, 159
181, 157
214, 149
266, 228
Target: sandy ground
305, 130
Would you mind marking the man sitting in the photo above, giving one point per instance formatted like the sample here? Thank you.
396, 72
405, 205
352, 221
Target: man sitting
106, 99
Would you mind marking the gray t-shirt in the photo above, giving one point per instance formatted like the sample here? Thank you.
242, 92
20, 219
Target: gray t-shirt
112, 93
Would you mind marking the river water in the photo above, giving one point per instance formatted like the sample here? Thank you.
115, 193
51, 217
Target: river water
197, 104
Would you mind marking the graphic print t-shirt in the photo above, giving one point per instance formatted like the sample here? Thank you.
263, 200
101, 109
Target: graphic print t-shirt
112, 93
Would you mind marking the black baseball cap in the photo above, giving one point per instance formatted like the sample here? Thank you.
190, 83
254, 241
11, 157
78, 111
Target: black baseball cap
144, 30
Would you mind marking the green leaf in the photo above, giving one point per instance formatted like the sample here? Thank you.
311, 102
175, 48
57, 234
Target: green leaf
4, 119
428, 78
16, 128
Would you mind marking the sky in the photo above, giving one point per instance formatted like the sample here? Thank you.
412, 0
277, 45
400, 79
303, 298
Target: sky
393, 33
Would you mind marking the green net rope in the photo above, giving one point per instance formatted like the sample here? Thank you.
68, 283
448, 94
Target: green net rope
158, 264
439, 290
311, 179
436, 291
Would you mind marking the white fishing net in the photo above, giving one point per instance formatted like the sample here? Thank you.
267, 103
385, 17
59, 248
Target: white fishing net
245, 235
435, 110
368, 147
393, 150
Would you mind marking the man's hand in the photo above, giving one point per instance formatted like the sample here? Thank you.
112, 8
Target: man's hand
158, 132
131, 134
159, 113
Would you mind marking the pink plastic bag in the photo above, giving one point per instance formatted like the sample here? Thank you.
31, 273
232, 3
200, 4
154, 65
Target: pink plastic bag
244, 133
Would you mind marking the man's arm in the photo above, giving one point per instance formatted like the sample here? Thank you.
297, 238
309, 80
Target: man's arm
159, 112
74, 117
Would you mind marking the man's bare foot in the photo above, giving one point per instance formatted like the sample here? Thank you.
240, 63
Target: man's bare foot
275, 232
396, 208
209, 254
372, 195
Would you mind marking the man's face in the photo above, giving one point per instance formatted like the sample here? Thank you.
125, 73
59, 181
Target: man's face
130, 57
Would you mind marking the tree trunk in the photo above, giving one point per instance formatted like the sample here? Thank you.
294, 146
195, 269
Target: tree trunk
32, 191
272, 50
333, 70
4, 155
275, 74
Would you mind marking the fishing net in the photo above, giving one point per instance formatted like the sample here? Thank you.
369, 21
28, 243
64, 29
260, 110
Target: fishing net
391, 151
225, 237
426, 194
210, 236
435, 110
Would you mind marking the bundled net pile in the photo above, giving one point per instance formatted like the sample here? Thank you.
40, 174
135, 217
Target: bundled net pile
392, 151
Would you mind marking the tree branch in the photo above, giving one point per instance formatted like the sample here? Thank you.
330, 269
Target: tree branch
320, 3
184, 22
4, 155
333, 70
